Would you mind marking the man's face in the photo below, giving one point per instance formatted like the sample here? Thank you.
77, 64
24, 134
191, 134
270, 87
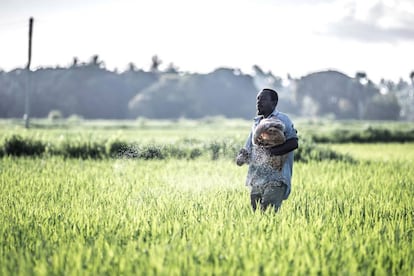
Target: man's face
264, 104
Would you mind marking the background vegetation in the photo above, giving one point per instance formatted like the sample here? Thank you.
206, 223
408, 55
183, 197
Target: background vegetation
90, 91
181, 139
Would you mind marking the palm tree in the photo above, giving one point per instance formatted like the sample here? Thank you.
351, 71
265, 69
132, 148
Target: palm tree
156, 62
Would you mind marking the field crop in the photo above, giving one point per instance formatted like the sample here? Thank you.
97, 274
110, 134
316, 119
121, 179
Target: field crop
61, 216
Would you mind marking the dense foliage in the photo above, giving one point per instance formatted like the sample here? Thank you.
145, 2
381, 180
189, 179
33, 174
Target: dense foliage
185, 139
16, 145
90, 91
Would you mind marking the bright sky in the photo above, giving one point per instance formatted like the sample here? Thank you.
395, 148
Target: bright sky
283, 36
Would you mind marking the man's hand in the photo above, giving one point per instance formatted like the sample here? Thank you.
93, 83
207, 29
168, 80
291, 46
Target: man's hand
288, 146
242, 157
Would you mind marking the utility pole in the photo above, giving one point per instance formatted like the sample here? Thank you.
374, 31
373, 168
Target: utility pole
28, 78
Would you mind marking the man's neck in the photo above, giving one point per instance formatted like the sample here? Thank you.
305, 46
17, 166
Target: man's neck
268, 115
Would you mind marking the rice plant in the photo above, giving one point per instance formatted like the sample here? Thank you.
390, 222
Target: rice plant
192, 217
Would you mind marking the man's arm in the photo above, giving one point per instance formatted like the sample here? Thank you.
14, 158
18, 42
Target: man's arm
290, 145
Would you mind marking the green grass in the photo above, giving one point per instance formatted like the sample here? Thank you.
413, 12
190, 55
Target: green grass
141, 130
67, 216
208, 129
403, 152
178, 217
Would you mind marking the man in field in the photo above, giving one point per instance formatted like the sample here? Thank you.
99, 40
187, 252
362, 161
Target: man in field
269, 186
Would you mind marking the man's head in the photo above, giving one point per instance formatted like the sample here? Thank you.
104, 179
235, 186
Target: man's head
266, 101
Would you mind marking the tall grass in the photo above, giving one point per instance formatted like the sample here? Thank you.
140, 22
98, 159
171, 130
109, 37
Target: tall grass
182, 217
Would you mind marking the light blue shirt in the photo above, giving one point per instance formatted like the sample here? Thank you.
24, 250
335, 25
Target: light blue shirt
260, 173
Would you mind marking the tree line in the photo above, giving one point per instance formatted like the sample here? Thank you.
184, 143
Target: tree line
91, 91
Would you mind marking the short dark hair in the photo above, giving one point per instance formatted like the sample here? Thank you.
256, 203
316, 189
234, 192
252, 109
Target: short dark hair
273, 94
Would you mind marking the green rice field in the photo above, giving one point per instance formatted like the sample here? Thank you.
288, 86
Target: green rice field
125, 216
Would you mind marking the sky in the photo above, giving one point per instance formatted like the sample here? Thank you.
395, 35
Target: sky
295, 37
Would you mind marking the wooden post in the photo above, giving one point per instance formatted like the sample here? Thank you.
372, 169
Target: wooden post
28, 78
